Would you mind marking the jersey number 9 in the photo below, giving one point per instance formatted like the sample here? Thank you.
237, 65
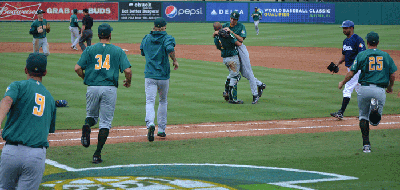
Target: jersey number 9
39, 100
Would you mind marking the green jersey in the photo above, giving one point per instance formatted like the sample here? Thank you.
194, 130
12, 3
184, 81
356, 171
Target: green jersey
156, 47
238, 29
35, 25
226, 45
376, 66
256, 15
73, 21
32, 114
102, 63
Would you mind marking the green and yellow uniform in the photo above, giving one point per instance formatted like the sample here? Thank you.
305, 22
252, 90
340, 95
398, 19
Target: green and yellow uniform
238, 29
226, 45
256, 15
35, 25
73, 21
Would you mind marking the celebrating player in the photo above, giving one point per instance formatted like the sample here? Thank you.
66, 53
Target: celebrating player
156, 47
31, 116
239, 31
102, 63
352, 45
38, 29
377, 73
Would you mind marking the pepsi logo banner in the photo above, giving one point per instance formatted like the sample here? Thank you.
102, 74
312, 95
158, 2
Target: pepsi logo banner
139, 11
57, 11
184, 11
221, 11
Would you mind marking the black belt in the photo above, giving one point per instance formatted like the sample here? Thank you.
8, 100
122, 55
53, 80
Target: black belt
16, 144
367, 84
87, 28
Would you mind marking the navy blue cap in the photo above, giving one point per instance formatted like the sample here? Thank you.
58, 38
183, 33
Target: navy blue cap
372, 37
347, 23
104, 29
36, 62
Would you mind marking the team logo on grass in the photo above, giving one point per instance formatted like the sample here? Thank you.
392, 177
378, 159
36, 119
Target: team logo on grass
183, 176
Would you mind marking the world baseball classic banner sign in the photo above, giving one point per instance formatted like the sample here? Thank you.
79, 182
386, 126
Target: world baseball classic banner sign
296, 12
184, 11
57, 11
139, 11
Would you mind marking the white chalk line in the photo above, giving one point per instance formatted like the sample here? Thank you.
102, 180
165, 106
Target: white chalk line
290, 184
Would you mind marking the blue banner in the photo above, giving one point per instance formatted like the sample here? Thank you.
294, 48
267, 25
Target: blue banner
221, 11
184, 12
295, 12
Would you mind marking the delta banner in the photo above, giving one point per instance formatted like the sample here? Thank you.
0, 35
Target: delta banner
139, 11
295, 12
221, 11
184, 12
57, 11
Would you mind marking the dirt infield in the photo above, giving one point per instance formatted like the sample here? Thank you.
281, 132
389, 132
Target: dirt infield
295, 58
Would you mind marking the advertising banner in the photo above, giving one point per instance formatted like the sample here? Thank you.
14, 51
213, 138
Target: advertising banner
57, 11
138, 11
221, 11
184, 12
295, 12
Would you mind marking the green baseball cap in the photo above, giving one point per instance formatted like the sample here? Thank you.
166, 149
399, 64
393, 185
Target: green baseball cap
160, 22
105, 29
36, 62
235, 15
372, 37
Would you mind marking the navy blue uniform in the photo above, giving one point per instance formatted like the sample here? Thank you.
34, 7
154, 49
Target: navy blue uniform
351, 47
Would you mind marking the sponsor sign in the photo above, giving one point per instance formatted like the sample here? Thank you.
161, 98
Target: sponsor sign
222, 11
184, 12
296, 12
138, 11
57, 11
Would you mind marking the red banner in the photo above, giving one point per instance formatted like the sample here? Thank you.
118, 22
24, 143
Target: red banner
57, 11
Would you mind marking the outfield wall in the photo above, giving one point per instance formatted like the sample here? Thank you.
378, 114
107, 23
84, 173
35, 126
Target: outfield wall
367, 13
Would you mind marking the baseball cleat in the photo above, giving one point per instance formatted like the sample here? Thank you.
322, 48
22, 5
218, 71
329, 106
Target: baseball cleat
235, 101
367, 148
338, 115
225, 95
374, 116
150, 133
85, 139
161, 134
261, 89
255, 99
97, 160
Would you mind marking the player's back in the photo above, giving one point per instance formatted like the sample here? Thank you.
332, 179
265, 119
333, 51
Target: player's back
102, 64
31, 115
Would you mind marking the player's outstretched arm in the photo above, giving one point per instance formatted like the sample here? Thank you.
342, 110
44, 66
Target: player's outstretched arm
5, 106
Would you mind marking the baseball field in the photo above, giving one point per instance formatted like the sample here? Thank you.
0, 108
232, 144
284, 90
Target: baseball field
286, 141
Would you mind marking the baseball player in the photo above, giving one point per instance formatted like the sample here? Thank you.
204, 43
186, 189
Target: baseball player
377, 73
352, 45
227, 44
257, 16
31, 115
102, 63
38, 29
74, 29
239, 31
156, 47
86, 31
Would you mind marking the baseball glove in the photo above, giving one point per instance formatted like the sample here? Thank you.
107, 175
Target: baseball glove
48, 27
223, 33
333, 68
61, 103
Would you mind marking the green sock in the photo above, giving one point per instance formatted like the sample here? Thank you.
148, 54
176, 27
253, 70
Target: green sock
103, 134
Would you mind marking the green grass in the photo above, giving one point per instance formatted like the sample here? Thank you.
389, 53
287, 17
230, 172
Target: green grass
336, 152
295, 35
196, 86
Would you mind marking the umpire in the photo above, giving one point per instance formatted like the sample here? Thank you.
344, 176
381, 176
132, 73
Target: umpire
377, 73
31, 115
86, 33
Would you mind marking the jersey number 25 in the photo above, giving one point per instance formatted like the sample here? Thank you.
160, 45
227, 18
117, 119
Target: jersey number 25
375, 63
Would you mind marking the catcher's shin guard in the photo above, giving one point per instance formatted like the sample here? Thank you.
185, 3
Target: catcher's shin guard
225, 94
233, 92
